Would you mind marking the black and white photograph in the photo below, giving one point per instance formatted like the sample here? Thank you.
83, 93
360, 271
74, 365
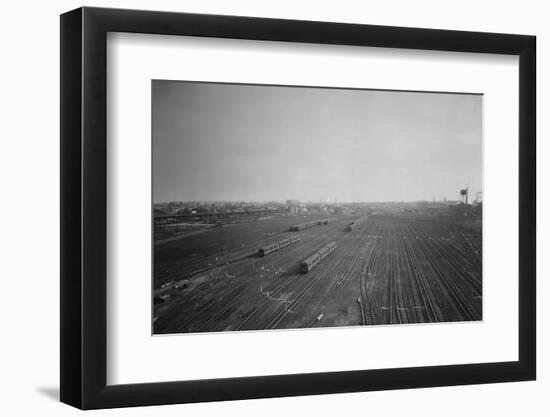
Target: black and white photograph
293, 207
280, 202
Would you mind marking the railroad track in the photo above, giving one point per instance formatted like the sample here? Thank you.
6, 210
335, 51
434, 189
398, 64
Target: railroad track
469, 252
365, 300
406, 273
351, 261
402, 282
409, 283
236, 293
258, 309
223, 247
473, 281
443, 249
302, 292
425, 304
191, 313
463, 308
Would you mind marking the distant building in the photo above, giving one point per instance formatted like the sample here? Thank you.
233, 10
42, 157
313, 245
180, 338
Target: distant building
479, 197
294, 206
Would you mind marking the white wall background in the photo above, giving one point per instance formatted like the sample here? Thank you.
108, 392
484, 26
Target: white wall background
29, 175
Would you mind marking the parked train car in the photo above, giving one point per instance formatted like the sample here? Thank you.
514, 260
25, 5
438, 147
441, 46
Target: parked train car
286, 242
276, 246
299, 227
317, 257
268, 249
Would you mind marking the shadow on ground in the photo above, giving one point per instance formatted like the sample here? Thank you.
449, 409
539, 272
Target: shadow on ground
50, 392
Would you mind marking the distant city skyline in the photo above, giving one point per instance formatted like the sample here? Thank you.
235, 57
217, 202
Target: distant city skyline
235, 142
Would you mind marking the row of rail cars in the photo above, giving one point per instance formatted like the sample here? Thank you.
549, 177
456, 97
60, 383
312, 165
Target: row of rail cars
311, 261
277, 245
314, 259
298, 227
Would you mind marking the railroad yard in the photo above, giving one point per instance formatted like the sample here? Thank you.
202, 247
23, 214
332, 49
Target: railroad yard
374, 270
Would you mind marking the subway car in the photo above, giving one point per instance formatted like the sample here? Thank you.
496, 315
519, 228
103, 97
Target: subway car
278, 245
317, 257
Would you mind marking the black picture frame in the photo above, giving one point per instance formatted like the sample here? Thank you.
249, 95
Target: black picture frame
84, 207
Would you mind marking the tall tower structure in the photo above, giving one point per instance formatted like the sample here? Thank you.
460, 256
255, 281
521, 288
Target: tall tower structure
464, 195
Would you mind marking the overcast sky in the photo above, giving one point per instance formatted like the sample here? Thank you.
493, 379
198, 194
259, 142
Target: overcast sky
216, 142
